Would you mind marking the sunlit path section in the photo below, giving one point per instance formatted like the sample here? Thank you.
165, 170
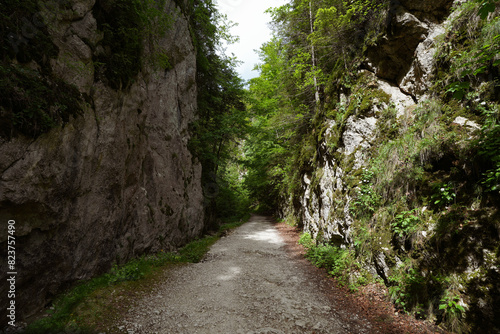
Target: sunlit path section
246, 284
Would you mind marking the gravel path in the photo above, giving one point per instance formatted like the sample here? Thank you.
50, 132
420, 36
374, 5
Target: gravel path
247, 284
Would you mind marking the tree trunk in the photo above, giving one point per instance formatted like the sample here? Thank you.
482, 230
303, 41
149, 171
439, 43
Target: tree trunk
313, 56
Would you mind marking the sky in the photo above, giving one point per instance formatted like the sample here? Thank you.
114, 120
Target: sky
253, 30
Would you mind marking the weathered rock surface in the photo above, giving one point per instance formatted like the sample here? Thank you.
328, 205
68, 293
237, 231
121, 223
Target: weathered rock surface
114, 183
401, 66
428, 9
392, 57
417, 81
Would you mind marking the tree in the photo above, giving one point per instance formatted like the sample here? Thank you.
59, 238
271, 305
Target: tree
222, 117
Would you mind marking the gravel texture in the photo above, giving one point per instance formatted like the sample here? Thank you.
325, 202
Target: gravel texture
256, 281
247, 284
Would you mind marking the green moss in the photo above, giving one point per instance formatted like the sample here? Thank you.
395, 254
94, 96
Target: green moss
32, 103
373, 97
316, 178
127, 26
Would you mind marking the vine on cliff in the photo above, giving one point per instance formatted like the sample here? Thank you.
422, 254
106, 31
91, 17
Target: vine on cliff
32, 99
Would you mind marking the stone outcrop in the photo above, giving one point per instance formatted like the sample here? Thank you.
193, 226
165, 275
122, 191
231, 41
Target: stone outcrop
392, 57
400, 66
396, 177
428, 9
113, 183
405, 52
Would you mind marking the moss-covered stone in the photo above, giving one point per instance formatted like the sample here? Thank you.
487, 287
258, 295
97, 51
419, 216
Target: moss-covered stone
32, 103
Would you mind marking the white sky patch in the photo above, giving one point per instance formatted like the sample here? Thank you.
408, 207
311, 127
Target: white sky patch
252, 28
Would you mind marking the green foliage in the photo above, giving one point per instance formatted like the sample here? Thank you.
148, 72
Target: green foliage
195, 250
129, 272
451, 306
345, 26
488, 147
404, 286
444, 194
367, 200
453, 312
333, 258
222, 118
491, 180
405, 222
486, 8
33, 103
306, 240
338, 262
272, 131
470, 51
128, 27
458, 89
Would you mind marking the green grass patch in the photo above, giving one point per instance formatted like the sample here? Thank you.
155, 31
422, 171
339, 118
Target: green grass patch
339, 262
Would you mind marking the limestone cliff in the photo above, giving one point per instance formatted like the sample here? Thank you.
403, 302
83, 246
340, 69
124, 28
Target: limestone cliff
398, 71
115, 181
399, 173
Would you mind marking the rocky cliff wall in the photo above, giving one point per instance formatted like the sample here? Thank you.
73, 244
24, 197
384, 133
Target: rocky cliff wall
397, 74
399, 177
113, 183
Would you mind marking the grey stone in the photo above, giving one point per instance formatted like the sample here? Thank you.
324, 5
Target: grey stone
359, 131
465, 122
418, 79
112, 184
393, 55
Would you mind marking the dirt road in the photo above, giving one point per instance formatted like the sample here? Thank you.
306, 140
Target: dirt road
247, 284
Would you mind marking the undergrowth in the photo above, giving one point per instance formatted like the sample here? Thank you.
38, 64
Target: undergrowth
338, 262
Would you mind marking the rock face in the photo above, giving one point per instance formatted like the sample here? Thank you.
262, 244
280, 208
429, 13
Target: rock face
383, 181
413, 28
112, 184
435, 9
400, 66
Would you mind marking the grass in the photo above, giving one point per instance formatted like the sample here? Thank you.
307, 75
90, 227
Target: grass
338, 262
94, 306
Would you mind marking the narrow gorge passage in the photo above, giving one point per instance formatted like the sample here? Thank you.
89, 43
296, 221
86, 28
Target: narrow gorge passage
247, 284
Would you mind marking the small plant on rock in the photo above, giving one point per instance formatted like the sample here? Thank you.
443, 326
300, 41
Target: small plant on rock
405, 222
443, 195
453, 312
